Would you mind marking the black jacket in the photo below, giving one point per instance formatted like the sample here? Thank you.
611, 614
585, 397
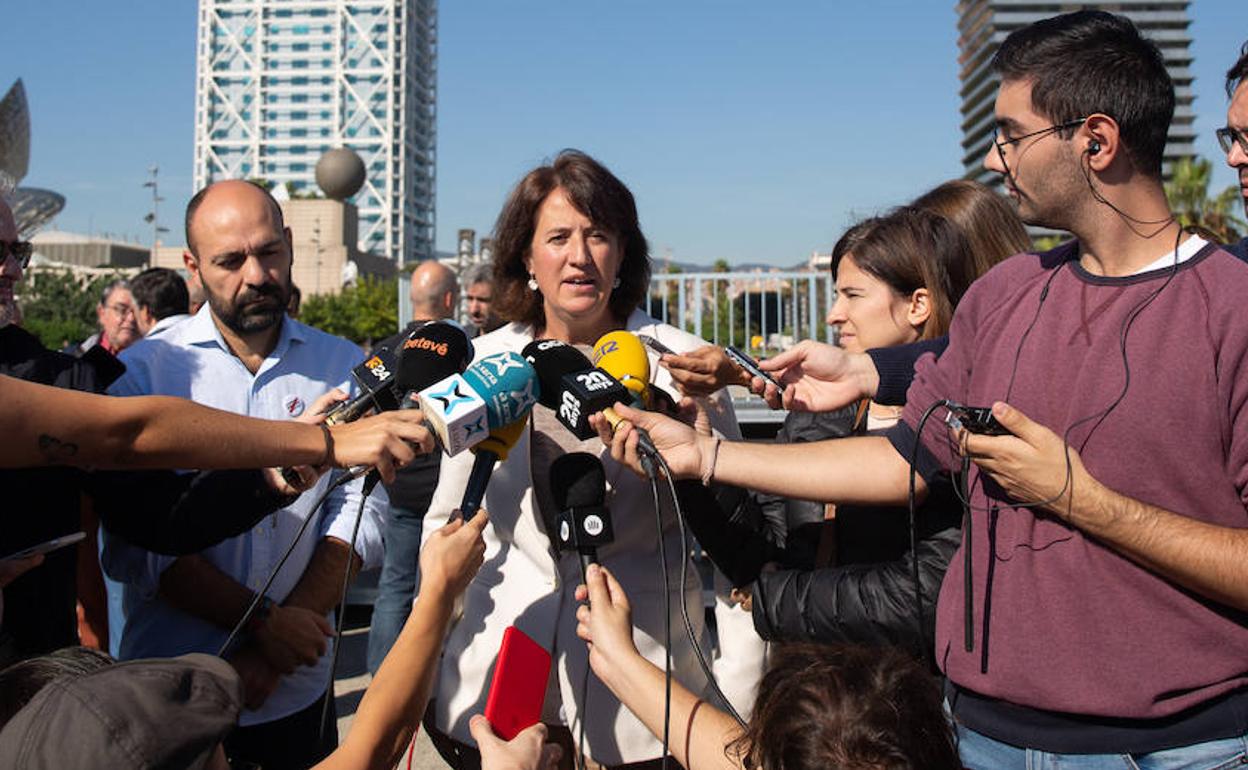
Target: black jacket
869, 604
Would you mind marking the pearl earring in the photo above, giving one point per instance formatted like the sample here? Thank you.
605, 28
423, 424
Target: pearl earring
532, 283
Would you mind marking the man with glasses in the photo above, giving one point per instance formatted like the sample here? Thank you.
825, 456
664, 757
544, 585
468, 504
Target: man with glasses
118, 319
1234, 136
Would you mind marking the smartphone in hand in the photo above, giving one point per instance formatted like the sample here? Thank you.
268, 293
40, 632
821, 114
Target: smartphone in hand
751, 367
49, 546
518, 688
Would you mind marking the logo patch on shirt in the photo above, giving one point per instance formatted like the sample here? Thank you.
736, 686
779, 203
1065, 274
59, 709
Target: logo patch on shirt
294, 406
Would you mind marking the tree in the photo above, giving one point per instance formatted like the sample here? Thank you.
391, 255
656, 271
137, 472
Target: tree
59, 306
362, 313
1188, 193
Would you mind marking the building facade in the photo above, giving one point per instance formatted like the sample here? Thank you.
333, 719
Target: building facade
279, 82
983, 24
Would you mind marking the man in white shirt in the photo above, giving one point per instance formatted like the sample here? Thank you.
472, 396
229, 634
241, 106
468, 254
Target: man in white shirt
241, 353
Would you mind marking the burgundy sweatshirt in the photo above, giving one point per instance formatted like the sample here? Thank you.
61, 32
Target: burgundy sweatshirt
1073, 626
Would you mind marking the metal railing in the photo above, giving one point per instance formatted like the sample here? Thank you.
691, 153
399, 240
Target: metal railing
761, 313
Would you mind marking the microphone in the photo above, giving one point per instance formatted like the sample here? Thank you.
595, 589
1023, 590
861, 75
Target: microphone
429, 354
493, 392
622, 355
493, 448
578, 483
571, 387
375, 377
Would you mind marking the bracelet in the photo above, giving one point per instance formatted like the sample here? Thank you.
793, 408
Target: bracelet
328, 459
708, 468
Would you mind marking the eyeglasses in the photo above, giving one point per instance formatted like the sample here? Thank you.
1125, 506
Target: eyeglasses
1228, 135
1000, 144
121, 311
19, 250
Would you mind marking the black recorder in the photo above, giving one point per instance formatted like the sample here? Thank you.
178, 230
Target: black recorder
975, 419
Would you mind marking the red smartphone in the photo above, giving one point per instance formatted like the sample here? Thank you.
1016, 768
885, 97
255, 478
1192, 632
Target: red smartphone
518, 688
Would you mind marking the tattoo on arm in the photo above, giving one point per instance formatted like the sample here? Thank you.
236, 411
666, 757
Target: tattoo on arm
54, 450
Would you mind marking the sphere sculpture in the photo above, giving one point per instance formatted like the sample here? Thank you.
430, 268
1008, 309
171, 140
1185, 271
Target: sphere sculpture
340, 173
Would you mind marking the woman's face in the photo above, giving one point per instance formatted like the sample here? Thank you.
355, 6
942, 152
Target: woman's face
574, 261
868, 313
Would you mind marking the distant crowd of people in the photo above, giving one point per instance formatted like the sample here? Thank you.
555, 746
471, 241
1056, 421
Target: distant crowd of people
1003, 524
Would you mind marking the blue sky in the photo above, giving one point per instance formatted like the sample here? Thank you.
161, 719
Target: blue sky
747, 131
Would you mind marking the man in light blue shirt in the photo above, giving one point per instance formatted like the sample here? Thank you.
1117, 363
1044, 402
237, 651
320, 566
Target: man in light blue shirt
242, 354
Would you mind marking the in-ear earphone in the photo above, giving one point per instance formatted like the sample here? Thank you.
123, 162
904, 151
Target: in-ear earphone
1094, 147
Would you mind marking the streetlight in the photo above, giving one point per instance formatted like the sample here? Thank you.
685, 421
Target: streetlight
152, 216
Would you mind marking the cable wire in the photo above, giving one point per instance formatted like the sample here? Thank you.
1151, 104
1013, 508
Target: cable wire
268, 582
684, 603
342, 607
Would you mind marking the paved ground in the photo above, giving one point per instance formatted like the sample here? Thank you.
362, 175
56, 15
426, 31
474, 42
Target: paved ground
353, 678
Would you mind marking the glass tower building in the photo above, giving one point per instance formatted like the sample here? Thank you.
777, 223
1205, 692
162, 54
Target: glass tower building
279, 82
983, 24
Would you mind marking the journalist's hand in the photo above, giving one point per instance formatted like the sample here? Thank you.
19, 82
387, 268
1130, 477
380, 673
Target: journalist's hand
387, 441
451, 557
680, 445
1031, 465
527, 751
818, 377
605, 624
703, 371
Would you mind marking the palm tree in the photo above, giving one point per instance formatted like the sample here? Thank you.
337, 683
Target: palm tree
1188, 193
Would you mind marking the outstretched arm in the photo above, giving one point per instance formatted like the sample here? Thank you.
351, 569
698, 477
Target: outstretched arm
51, 426
864, 470
394, 702
700, 733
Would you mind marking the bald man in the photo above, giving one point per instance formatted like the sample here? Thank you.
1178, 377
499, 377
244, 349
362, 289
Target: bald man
241, 353
435, 291
435, 296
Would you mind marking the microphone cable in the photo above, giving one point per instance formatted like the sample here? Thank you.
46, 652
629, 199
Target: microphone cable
268, 582
684, 602
667, 605
342, 603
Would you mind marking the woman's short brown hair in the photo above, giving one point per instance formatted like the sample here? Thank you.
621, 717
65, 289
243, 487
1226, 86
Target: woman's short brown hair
911, 249
849, 707
595, 192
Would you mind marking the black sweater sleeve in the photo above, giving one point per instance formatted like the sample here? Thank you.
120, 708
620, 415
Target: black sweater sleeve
178, 514
895, 365
869, 604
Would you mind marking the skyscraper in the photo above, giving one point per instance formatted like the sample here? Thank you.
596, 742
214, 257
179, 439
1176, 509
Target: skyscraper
983, 24
279, 82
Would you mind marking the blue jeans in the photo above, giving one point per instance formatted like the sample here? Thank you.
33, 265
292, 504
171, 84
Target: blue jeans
979, 752
398, 584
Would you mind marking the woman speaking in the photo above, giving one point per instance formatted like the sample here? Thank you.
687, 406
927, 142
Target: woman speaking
571, 264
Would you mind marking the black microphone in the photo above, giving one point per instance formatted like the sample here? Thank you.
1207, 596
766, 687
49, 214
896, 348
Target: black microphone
375, 378
579, 485
571, 386
429, 354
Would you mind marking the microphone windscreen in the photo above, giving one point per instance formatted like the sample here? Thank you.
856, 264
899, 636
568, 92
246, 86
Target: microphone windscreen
508, 385
621, 355
552, 359
577, 480
501, 440
430, 354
